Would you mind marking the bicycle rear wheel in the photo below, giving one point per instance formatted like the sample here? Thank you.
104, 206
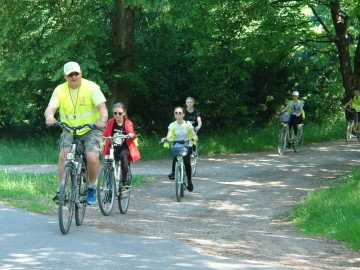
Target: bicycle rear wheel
282, 141
183, 184
124, 193
106, 188
178, 182
297, 145
348, 134
193, 163
66, 200
80, 206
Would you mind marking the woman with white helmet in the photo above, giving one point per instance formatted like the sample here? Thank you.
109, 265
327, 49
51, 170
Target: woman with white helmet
295, 108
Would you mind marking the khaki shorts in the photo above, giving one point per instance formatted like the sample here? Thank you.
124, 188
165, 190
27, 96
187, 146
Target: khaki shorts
91, 139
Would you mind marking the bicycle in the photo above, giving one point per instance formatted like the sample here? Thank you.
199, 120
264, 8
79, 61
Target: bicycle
74, 182
109, 176
351, 125
284, 140
179, 149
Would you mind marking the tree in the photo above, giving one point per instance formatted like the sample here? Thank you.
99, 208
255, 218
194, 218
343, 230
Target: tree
122, 52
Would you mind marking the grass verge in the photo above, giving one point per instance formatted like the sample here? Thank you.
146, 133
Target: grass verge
34, 192
332, 212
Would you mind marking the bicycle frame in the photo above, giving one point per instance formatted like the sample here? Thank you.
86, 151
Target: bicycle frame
110, 158
109, 178
74, 183
284, 139
180, 183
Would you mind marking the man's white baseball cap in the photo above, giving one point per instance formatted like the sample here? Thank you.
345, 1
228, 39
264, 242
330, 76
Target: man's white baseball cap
71, 67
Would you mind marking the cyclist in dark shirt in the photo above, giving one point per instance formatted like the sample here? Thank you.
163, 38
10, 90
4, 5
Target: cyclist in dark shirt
192, 115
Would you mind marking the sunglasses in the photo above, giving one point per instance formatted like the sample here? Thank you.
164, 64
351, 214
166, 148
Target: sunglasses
178, 112
73, 74
117, 113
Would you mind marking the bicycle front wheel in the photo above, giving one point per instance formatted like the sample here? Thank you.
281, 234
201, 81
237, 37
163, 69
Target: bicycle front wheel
178, 182
80, 206
66, 200
297, 145
282, 141
106, 189
349, 127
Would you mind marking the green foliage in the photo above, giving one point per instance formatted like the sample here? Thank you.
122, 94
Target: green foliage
332, 212
239, 59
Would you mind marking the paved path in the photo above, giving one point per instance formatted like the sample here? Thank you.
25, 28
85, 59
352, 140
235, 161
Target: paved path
33, 241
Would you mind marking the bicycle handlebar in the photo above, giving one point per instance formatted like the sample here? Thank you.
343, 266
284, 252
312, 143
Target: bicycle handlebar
175, 141
59, 124
350, 110
121, 136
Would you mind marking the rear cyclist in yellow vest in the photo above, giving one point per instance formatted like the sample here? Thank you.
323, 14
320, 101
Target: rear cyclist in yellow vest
178, 131
80, 102
354, 103
296, 109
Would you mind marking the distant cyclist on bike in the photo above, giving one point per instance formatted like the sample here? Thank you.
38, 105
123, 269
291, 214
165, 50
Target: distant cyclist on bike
354, 104
193, 115
124, 151
80, 102
181, 130
295, 108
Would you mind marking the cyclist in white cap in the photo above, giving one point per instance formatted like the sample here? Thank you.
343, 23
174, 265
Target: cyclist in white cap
295, 108
79, 102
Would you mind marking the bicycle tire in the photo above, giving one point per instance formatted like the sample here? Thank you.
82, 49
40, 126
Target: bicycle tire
66, 199
124, 193
193, 163
183, 184
297, 145
106, 188
282, 141
80, 206
348, 134
178, 182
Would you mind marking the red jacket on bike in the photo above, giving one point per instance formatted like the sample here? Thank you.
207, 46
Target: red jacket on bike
129, 128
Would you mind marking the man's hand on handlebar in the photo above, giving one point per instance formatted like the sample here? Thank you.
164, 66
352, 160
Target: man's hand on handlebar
50, 121
100, 124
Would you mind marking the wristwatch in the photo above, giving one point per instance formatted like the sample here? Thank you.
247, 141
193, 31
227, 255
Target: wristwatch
102, 120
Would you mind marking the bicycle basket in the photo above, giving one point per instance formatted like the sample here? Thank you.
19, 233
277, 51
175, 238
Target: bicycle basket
80, 148
178, 150
350, 114
284, 117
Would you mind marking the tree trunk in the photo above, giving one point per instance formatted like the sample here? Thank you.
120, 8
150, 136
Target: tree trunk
123, 52
350, 78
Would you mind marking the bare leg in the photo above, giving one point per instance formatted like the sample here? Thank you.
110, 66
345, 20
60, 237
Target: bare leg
93, 165
61, 163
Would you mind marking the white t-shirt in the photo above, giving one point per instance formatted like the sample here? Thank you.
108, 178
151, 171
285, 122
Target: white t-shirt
180, 131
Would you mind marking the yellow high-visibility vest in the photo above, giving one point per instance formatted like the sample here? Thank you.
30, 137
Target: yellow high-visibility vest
77, 111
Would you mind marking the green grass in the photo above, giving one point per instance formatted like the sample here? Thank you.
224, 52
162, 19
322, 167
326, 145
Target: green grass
34, 192
28, 191
30, 151
332, 212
